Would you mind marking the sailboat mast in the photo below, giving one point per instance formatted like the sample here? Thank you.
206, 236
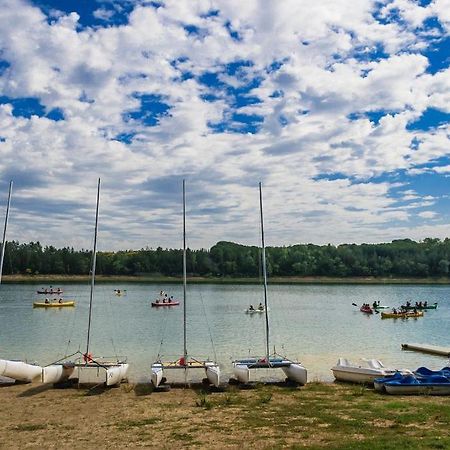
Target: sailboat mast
263, 257
184, 272
4, 230
94, 262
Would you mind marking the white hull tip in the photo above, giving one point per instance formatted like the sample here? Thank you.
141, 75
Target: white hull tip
20, 371
241, 372
157, 374
213, 374
296, 372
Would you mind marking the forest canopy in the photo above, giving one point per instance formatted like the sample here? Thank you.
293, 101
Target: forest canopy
399, 258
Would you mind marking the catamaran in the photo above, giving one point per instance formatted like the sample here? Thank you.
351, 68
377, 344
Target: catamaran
15, 370
92, 370
186, 362
294, 371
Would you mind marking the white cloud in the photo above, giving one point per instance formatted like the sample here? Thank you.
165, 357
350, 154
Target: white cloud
331, 68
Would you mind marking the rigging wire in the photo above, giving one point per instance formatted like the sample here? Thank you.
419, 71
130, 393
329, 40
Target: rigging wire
209, 328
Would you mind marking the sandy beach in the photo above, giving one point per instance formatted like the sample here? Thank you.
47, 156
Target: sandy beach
131, 416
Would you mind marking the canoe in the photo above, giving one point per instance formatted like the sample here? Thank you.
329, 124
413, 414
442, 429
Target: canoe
405, 315
53, 304
252, 311
420, 308
156, 304
50, 291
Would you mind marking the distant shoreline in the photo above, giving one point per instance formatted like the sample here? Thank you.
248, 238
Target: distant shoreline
117, 279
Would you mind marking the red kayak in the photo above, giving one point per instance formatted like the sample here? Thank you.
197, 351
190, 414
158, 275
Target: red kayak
165, 304
366, 309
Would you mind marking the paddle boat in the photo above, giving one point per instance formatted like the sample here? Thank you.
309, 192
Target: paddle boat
366, 371
421, 373
54, 304
413, 385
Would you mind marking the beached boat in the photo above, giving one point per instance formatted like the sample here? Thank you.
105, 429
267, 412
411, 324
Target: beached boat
365, 371
412, 385
186, 362
12, 369
293, 370
401, 315
97, 370
54, 304
20, 370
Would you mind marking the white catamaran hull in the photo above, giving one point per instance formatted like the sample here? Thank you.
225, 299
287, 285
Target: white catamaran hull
241, 372
57, 373
213, 373
108, 375
19, 370
157, 374
297, 373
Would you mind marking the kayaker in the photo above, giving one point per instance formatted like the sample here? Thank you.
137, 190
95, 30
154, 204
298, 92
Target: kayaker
261, 307
374, 305
251, 308
171, 299
47, 301
425, 304
60, 300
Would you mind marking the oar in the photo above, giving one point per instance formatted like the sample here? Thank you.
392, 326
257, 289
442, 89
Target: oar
354, 304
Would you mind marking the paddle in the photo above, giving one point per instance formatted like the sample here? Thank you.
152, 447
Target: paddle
354, 304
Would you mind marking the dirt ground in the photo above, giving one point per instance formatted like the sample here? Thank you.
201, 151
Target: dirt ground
36, 416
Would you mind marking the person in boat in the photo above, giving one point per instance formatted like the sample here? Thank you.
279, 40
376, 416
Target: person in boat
251, 308
261, 307
60, 300
394, 311
157, 300
47, 301
171, 299
425, 304
420, 305
374, 305
408, 303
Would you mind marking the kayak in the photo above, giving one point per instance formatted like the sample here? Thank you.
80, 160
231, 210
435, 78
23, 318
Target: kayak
165, 304
53, 304
433, 306
366, 309
50, 291
251, 311
405, 315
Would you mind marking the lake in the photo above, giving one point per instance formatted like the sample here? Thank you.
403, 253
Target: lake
315, 324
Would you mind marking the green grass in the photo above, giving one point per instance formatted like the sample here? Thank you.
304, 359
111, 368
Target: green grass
29, 427
126, 424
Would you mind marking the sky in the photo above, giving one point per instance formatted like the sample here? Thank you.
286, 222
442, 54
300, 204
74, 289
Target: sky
341, 108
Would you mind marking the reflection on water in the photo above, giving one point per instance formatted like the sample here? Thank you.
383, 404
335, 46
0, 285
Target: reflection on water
315, 324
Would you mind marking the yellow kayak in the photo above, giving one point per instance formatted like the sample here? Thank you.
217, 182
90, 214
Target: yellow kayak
390, 315
53, 304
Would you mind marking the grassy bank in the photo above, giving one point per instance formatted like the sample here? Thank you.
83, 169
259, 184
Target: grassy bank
117, 279
317, 416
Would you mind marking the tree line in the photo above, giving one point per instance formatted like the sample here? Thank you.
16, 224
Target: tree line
399, 258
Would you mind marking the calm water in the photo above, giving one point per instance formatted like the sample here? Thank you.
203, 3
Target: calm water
315, 324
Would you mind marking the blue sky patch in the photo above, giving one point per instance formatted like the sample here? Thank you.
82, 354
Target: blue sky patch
93, 13
24, 107
431, 118
151, 111
438, 54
